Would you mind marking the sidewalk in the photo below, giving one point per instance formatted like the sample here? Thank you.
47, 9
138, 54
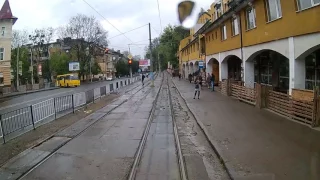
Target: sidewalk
255, 144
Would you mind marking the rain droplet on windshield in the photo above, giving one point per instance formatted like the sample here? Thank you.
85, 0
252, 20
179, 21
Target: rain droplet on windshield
187, 15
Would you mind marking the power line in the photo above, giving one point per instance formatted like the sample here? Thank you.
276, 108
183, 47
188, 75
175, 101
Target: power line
155, 30
128, 31
106, 20
159, 17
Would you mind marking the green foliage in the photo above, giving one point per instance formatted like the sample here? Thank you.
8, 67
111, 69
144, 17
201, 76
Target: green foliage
59, 63
122, 68
24, 58
95, 68
166, 47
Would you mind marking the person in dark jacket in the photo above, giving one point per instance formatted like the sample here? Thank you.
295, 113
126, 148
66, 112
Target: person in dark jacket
200, 81
190, 77
212, 81
142, 79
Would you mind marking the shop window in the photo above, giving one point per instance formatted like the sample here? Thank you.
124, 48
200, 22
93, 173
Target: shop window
1, 79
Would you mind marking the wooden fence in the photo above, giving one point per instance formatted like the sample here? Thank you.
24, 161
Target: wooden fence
301, 110
224, 87
243, 93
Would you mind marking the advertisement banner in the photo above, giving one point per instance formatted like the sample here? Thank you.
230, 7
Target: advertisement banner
74, 66
144, 62
40, 69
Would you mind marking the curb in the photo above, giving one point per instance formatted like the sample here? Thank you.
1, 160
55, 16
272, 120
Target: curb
213, 144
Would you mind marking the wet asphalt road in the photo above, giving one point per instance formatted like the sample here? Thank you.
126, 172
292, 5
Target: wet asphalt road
29, 99
106, 150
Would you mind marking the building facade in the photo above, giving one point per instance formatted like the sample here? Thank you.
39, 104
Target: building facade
7, 20
273, 42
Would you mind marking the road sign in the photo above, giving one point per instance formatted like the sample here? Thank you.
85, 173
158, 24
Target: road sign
201, 64
20, 67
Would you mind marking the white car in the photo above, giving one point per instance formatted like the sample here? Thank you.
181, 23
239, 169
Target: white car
109, 79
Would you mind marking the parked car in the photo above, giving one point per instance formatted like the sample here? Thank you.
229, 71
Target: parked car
109, 78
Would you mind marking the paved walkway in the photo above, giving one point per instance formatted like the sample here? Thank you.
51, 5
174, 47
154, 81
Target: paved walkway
255, 144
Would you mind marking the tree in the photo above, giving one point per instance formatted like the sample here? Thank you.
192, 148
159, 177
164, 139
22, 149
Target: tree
167, 46
122, 68
19, 38
41, 39
59, 63
24, 59
87, 32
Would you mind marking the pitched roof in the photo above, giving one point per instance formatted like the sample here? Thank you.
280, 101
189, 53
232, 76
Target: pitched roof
5, 12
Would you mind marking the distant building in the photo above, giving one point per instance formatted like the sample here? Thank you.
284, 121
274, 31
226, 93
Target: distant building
7, 20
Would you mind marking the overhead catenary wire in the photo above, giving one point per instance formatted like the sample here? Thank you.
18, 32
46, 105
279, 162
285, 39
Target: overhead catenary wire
106, 20
127, 31
159, 17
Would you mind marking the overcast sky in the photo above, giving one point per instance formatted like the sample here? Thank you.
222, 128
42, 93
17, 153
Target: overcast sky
123, 14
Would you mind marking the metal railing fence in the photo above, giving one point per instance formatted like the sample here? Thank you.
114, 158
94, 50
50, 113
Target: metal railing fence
20, 121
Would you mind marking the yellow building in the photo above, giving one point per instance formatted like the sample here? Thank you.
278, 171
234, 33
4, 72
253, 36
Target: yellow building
275, 42
7, 20
190, 49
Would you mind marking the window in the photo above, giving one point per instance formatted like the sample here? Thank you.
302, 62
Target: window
212, 36
3, 30
216, 35
251, 18
235, 26
209, 38
1, 54
223, 32
273, 9
1, 78
304, 4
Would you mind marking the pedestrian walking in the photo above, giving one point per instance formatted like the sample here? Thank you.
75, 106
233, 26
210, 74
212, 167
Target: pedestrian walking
200, 81
212, 81
190, 77
142, 79
209, 80
179, 76
197, 90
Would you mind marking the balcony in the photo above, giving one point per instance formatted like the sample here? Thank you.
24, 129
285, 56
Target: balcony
233, 3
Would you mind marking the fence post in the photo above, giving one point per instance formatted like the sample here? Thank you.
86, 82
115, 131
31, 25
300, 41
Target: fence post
72, 104
4, 140
316, 113
34, 127
54, 107
228, 87
259, 96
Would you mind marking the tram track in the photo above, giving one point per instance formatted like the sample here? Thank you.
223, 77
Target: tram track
138, 161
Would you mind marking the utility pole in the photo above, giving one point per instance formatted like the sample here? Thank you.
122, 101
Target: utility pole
159, 63
18, 68
90, 68
130, 66
151, 63
31, 67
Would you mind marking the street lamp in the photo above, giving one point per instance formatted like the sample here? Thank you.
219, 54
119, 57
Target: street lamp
87, 53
